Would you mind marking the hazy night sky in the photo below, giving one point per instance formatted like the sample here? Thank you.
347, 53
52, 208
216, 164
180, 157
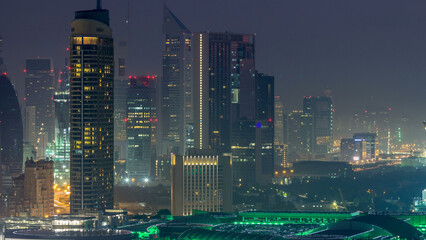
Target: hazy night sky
367, 52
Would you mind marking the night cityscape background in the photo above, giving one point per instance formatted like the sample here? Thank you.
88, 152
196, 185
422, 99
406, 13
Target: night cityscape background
212, 119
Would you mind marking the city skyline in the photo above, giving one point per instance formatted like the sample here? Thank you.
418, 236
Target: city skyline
360, 53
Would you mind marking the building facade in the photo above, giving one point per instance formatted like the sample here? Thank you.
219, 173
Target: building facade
176, 89
321, 109
141, 124
223, 80
39, 92
201, 182
92, 111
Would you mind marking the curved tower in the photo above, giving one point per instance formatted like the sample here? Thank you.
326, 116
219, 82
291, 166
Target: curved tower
11, 135
91, 111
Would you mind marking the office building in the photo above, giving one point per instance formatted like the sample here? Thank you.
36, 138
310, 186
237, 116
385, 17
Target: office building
279, 121
243, 152
61, 155
299, 132
365, 146
321, 109
141, 124
217, 86
264, 151
376, 120
39, 92
92, 111
11, 135
265, 113
121, 84
201, 182
176, 89
62, 137
265, 99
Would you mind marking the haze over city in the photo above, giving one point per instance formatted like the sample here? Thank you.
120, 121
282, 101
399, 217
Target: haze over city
367, 53
184, 119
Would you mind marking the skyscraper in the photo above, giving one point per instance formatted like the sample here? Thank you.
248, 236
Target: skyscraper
321, 109
39, 91
265, 99
92, 111
140, 123
176, 90
265, 106
62, 129
220, 81
11, 135
299, 132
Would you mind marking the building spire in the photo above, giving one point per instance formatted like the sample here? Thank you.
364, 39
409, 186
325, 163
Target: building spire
99, 6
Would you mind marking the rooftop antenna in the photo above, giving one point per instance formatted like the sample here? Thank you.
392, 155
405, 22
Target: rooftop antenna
99, 5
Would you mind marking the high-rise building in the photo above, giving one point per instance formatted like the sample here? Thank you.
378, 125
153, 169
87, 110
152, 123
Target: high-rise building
321, 109
299, 132
39, 92
265, 99
243, 151
30, 136
61, 156
121, 84
265, 113
243, 76
365, 146
201, 182
217, 86
141, 124
279, 121
176, 89
264, 150
92, 111
11, 135
62, 137
375, 120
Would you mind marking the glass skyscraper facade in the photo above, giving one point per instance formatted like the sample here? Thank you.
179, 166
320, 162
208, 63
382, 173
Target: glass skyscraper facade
176, 89
92, 111
141, 124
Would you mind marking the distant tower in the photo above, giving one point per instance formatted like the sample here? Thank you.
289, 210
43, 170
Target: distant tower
11, 135
92, 111
176, 96
140, 122
39, 91
321, 109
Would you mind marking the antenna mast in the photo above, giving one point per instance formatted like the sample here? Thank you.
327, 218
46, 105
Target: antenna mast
99, 7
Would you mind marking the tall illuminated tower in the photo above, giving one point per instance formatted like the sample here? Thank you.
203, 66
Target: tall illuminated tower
176, 92
62, 129
92, 111
140, 123
223, 78
39, 91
